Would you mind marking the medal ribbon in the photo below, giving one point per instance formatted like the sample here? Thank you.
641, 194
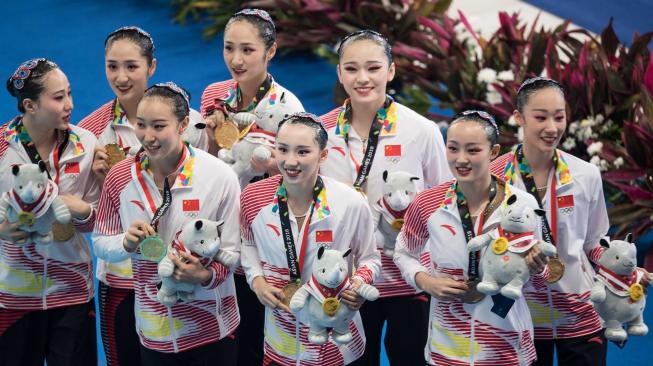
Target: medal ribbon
395, 214
29, 207
468, 227
167, 193
549, 233
617, 280
329, 292
33, 154
295, 265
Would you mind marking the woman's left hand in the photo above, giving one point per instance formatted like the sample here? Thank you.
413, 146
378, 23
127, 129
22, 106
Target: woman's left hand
79, 208
188, 269
351, 298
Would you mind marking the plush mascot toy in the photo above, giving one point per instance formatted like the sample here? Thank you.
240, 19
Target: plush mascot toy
200, 238
321, 297
504, 267
617, 293
399, 191
34, 202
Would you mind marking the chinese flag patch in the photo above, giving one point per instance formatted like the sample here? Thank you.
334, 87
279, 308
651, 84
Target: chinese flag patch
392, 150
191, 205
566, 201
324, 236
71, 168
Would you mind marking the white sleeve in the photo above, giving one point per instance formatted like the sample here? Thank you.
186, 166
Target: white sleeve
109, 247
229, 210
250, 261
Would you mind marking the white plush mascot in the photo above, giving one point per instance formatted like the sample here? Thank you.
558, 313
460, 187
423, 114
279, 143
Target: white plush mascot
617, 293
194, 134
399, 190
34, 202
321, 296
261, 127
504, 267
200, 238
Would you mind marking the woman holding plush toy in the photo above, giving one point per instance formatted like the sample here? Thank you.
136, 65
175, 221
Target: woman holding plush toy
249, 46
285, 220
372, 140
466, 326
135, 221
46, 290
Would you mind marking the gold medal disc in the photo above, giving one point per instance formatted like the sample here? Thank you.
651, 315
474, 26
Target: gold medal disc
397, 224
472, 295
331, 306
636, 292
26, 218
556, 270
500, 246
227, 134
289, 291
62, 232
115, 153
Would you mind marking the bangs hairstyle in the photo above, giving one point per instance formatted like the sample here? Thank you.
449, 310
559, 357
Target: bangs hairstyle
175, 98
369, 35
483, 118
533, 85
135, 35
27, 81
261, 20
309, 120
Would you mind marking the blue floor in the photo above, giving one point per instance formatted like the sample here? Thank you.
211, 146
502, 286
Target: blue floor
72, 34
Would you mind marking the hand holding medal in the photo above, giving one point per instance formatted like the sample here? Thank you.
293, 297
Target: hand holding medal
137, 232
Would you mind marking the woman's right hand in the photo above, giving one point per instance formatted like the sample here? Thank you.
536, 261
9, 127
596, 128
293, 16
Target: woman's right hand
100, 165
268, 295
442, 288
212, 122
136, 232
11, 232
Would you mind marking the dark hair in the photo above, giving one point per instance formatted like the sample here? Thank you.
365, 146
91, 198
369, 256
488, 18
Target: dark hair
484, 119
309, 120
178, 97
367, 34
532, 85
27, 81
261, 20
137, 36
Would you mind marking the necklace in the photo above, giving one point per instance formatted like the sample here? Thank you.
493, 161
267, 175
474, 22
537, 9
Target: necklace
541, 189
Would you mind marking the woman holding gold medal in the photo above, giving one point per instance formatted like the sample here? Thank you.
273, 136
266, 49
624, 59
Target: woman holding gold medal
571, 192
465, 326
249, 46
285, 220
46, 291
369, 135
145, 202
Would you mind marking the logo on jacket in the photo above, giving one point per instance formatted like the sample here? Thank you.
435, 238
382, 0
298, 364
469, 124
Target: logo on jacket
190, 207
450, 228
566, 204
139, 204
392, 153
71, 170
274, 228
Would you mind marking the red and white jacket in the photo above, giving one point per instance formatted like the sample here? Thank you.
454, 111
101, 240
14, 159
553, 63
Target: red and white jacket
413, 145
563, 309
60, 274
343, 220
459, 333
205, 187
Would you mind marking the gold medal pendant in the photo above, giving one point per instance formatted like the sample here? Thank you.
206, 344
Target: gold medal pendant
500, 246
26, 218
115, 153
397, 224
636, 292
62, 232
227, 134
556, 270
330, 306
153, 248
289, 291
472, 295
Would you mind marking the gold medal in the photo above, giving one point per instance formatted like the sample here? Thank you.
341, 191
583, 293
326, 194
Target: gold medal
636, 292
153, 248
472, 295
227, 134
397, 224
26, 218
331, 306
500, 245
289, 291
115, 153
62, 232
556, 270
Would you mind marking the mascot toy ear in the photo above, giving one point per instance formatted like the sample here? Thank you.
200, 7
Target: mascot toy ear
604, 243
42, 166
15, 169
346, 253
200, 126
385, 175
414, 178
198, 225
540, 212
320, 252
282, 99
629, 237
512, 199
